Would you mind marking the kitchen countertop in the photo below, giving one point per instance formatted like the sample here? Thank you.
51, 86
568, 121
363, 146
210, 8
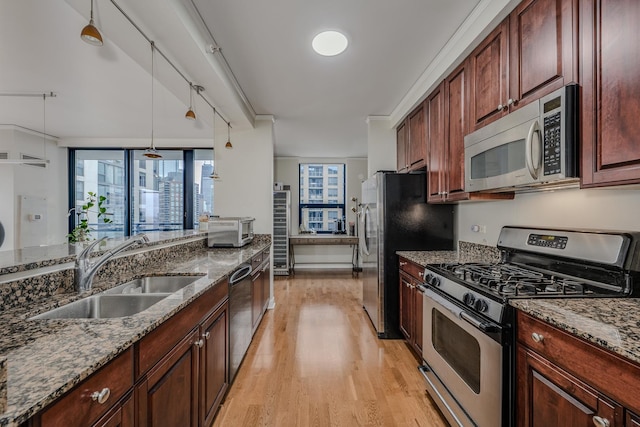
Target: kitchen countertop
46, 358
467, 252
611, 323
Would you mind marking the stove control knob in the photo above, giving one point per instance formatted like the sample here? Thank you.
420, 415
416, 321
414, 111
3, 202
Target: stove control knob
434, 281
468, 299
428, 278
481, 305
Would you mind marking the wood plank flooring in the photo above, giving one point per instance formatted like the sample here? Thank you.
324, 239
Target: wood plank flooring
315, 361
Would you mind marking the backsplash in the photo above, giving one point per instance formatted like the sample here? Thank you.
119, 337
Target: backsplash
476, 252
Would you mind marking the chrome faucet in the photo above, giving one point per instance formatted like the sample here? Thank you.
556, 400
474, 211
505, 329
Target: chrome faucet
85, 270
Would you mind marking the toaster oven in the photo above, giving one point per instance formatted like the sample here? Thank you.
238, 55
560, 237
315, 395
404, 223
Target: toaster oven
230, 232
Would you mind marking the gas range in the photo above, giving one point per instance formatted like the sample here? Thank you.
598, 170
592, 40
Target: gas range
467, 331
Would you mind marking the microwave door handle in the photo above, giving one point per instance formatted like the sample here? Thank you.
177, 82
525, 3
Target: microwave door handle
528, 155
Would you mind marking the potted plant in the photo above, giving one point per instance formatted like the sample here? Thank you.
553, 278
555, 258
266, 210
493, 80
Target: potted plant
82, 231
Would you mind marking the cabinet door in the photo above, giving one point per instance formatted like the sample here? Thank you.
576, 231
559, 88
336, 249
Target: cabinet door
401, 148
406, 306
609, 69
456, 89
214, 367
168, 397
543, 38
256, 299
417, 320
633, 420
266, 288
549, 396
489, 63
436, 144
121, 416
417, 145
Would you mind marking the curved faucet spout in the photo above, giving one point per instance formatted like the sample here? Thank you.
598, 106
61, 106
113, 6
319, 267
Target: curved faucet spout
85, 269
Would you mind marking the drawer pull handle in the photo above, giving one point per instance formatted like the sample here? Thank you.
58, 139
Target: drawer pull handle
206, 335
537, 337
102, 396
600, 422
199, 343
402, 263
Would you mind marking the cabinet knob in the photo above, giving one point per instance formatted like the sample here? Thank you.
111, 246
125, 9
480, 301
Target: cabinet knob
206, 335
102, 396
537, 337
511, 101
403, 263
600, 422
500, 107
199, 343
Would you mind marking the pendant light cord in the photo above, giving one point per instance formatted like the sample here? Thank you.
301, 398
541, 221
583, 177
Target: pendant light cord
153, 147
44, 126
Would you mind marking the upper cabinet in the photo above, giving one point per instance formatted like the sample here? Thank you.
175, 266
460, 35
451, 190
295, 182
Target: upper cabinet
529, 55
410, 141
609, 70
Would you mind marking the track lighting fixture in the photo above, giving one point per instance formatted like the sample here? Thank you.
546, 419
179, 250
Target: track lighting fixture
228, 145
151, 152
90, 33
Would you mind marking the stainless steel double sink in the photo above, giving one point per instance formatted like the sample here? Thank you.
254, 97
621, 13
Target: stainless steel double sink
123, 300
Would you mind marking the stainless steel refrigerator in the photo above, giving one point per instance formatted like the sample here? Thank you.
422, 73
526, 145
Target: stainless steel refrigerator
395, 216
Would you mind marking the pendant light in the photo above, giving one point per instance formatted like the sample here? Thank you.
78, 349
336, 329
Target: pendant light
228, 145
90, 33
151, 152
214, 175
191, 115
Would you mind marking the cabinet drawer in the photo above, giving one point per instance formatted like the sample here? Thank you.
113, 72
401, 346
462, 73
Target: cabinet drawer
609, 373
414, 270
160, 341
77, 408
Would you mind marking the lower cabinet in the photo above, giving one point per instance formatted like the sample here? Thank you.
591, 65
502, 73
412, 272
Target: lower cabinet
260, 290
411, 305
214, 364
563, 380
122, 415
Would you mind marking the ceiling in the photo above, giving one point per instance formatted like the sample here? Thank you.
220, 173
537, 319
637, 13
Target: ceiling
320, 104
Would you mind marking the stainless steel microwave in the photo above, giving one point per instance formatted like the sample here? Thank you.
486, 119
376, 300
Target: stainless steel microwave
533, 146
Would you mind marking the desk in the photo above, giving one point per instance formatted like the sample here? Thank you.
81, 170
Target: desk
324, 239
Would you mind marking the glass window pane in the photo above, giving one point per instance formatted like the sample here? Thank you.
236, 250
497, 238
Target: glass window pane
322, 200
91, 176
202, 184
159, 204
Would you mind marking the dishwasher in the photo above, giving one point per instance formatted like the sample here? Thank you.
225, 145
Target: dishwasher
240, 317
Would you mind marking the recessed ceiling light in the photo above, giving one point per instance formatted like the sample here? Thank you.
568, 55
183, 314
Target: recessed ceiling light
329, 43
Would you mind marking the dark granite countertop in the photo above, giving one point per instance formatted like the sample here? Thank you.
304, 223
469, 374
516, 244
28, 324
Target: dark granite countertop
46, 358
611, 323
467, 252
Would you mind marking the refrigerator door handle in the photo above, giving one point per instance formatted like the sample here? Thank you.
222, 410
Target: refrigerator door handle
364, 234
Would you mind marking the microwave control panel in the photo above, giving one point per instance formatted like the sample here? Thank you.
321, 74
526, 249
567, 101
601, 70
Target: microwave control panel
552, 157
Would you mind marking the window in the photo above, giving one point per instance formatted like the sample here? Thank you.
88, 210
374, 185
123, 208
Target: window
320, 205
157, 194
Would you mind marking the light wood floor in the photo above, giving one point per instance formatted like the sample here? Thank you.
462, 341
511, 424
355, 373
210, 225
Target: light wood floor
315, 361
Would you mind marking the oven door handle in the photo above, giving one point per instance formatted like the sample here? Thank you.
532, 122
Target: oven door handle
482, 325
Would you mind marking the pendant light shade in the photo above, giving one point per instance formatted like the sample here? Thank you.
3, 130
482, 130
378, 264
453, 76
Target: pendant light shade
90, 33
228, 145
191, 115
214, 175
151, 152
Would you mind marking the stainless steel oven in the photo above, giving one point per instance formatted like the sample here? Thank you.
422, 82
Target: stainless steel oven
463, 362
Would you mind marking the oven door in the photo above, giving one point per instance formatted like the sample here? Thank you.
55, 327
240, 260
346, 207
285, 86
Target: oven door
464, 367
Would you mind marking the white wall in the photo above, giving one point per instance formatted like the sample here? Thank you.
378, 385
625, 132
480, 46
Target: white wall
606, 209
25, 180
381, 145
245, 187
287, 172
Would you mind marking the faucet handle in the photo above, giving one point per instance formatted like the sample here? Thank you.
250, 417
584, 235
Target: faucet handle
86, 251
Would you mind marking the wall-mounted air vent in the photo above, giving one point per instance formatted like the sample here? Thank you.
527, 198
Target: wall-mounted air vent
39, 161
4, 156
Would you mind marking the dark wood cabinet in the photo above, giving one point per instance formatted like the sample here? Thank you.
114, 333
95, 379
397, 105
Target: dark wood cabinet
543, 46
411, 305
489, 72
214, 364
447, 124
266, 282
417, 145
169, 394
632, 420
260, 289
402, 163
121, 415
564, 380
609, 70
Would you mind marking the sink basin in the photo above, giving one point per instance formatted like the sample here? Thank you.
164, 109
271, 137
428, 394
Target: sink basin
153, 285
103, 306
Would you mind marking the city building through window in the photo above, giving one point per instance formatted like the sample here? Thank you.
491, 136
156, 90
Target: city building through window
322, 197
